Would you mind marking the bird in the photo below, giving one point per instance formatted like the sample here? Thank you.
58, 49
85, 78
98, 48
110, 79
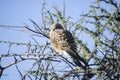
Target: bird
63, 43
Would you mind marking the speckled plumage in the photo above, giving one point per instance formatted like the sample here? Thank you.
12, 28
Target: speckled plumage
63, 43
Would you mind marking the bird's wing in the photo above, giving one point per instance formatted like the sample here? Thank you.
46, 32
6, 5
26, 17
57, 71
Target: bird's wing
67, 41
63, 39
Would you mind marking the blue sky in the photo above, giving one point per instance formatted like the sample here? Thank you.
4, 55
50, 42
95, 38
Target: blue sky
18, 12
14, 12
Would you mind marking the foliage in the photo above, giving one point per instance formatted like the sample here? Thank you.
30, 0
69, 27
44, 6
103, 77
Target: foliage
100, 25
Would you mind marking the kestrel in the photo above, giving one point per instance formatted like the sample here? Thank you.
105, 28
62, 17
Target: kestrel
63, 43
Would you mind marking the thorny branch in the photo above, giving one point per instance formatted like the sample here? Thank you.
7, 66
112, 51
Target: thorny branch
105, 54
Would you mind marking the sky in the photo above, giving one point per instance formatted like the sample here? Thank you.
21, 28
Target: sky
18, 12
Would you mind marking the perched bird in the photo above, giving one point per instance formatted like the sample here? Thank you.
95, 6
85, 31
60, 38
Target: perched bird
63, 43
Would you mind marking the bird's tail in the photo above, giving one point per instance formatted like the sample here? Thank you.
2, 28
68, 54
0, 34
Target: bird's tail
80, 62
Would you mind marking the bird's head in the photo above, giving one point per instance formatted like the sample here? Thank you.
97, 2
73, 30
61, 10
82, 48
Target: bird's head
56, 26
